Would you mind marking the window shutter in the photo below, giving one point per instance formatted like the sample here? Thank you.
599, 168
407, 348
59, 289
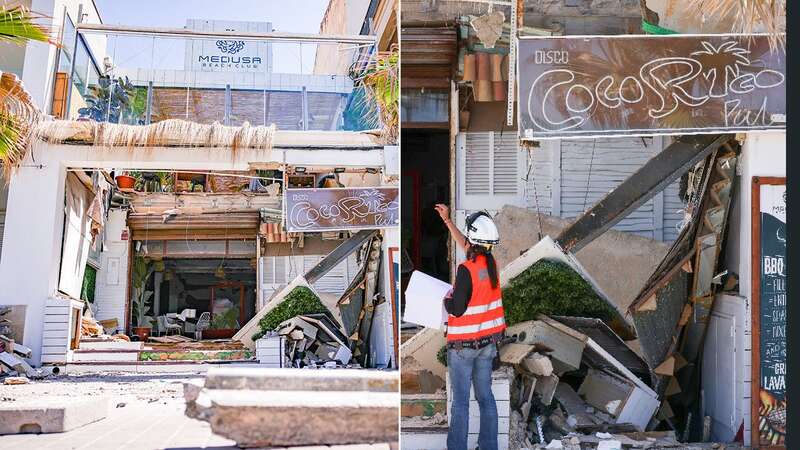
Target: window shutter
478, 163
505, 156
488, 170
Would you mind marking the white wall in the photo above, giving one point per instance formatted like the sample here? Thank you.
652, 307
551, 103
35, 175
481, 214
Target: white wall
111, 286
763, 154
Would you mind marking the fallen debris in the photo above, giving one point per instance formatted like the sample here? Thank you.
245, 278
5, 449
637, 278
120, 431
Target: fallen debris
15, 380
50, 414
295, 407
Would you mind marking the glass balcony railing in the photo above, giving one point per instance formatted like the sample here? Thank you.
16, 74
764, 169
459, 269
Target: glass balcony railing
147, 77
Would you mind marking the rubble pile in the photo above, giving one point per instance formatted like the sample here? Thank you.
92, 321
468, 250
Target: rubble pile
14, 369
92, 328
575, 378
314, 340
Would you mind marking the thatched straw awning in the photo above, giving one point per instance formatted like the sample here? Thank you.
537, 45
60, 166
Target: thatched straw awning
180, 133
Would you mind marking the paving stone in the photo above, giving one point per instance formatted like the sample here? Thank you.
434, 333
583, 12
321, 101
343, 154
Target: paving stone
51, 414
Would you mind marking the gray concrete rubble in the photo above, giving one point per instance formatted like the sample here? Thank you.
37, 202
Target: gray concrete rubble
263, 407
50, 414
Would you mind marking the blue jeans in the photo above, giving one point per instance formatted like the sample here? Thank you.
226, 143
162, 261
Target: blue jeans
472, 367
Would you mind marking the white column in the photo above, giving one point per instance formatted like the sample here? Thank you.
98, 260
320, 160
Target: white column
32, 246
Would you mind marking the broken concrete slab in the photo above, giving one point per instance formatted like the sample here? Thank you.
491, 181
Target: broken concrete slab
289, 379
296, 418
50, 414
16, 363
422, 372
566, 343
514, 353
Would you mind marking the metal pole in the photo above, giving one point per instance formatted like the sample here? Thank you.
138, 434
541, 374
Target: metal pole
149, 113
305, 108
227, 118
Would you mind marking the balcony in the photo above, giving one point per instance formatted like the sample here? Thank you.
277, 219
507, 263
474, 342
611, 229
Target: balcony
143, 76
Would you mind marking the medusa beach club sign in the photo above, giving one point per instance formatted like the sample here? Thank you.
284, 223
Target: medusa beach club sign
645, 85
228, 56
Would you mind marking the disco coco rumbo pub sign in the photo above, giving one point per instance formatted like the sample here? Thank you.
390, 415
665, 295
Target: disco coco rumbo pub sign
646, 85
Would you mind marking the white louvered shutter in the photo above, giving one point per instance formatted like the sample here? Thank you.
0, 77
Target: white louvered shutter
489, 170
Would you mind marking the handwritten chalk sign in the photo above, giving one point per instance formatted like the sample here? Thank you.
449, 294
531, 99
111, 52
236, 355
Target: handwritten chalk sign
342, 209
646, 85
769, 312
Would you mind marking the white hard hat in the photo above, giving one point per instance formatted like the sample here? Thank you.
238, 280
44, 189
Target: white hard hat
481, 229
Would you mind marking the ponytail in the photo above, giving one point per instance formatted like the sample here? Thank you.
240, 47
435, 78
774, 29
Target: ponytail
472, 255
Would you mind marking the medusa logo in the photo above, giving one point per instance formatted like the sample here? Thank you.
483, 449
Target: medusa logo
230, 47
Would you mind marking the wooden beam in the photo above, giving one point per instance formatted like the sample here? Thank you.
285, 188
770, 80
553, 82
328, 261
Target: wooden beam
338, 255
653, 177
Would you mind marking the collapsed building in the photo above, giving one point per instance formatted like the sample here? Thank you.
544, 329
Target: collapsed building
661, 219
167, 202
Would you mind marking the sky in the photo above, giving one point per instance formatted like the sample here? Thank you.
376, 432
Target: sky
299, 16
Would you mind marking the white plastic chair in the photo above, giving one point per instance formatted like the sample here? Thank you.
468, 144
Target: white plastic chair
165, 326
203, 323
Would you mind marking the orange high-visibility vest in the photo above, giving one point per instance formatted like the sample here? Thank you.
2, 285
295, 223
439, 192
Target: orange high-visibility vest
484, 315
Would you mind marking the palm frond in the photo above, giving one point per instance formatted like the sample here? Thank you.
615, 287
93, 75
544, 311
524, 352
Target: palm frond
19, 25
749, 16
379, 78
18, 114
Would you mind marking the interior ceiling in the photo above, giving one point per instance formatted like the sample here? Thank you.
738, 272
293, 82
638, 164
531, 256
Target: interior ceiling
208, 266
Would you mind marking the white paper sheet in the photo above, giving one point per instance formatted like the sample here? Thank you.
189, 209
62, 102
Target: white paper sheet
425, 301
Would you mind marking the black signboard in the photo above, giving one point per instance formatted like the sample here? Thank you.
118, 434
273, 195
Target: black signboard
645, 85
769, 312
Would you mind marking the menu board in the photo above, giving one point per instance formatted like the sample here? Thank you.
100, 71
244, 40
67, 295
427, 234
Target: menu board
337, 209
769, 302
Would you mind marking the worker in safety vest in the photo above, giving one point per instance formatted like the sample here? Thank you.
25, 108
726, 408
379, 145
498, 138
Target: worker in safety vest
475, 325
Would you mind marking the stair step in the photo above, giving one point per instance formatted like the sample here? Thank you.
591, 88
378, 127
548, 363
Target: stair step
423, 405
90, 367
285, 418
84, 355
109, 345
289, 379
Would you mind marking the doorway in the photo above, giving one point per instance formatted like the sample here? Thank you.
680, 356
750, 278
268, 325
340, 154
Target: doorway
425, 182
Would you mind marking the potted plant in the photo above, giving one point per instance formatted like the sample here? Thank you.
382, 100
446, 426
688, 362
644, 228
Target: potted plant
141, 298
223, 325
125, 181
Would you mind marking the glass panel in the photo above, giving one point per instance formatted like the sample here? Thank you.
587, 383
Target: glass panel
230, 81
430, 107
